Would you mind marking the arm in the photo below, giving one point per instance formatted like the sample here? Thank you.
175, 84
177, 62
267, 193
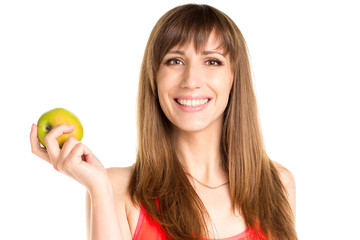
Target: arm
105, 209
102, 221
88, 215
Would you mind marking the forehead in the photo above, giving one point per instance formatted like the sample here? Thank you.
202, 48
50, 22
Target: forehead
213, 42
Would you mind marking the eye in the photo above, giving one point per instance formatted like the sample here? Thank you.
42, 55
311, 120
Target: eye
174, 61
213, 62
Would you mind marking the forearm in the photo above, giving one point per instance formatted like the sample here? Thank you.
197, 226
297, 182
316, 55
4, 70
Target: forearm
104, 224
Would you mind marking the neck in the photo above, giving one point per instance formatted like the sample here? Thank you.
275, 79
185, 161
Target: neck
199, 152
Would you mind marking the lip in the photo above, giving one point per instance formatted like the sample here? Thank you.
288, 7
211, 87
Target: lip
192, 109
192, 97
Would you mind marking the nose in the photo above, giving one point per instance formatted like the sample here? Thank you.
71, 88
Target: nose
192, 77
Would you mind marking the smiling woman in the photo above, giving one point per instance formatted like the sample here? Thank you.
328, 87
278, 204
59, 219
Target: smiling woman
201, 170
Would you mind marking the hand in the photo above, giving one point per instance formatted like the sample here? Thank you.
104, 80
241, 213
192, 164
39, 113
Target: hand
73, 159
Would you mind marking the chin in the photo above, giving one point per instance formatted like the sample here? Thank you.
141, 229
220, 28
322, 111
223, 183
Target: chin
191, 127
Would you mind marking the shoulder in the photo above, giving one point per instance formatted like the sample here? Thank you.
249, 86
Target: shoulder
119, 174
287, 178
288, 181
120, 179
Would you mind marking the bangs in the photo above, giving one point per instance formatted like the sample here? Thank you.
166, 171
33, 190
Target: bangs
191, 25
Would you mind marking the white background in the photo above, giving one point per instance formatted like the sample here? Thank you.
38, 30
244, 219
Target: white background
85, 56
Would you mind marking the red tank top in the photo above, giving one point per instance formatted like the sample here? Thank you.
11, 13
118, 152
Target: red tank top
147, 229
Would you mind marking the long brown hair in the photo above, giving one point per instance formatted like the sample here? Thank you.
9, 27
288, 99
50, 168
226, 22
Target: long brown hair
159, 177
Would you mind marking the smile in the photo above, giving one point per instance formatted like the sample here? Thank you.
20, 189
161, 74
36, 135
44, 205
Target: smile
192, 103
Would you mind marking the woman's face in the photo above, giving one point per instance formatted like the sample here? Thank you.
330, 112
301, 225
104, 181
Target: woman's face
194, 88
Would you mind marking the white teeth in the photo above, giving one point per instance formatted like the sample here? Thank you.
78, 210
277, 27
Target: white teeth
192, 103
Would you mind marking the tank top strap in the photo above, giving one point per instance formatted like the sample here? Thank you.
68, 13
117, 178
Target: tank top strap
147, 228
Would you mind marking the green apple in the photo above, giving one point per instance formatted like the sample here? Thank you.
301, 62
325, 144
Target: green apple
57, 116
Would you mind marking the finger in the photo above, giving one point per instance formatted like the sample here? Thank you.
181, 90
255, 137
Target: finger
69, 144
52, 145
35, 145
66, 149
81, 153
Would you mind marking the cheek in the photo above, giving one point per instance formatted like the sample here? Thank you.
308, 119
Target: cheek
162, 98
229, 83
223, 89
167, 83
161, 85
163, 91
164, 81
223, 84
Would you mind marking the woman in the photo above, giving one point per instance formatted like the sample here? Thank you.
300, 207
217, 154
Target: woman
201, 169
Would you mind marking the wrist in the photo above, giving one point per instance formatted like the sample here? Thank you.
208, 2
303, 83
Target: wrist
103, 187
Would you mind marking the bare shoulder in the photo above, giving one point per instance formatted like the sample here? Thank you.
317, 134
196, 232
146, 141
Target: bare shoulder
288, 180
120, 179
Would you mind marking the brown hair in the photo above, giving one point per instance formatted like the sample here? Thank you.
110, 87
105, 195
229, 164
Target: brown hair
254, 182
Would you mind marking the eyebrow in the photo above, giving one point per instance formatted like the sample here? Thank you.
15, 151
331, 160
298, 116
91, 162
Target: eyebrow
203, 53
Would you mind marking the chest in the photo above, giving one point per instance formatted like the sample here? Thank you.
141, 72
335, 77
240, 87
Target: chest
133, 214
224, 222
